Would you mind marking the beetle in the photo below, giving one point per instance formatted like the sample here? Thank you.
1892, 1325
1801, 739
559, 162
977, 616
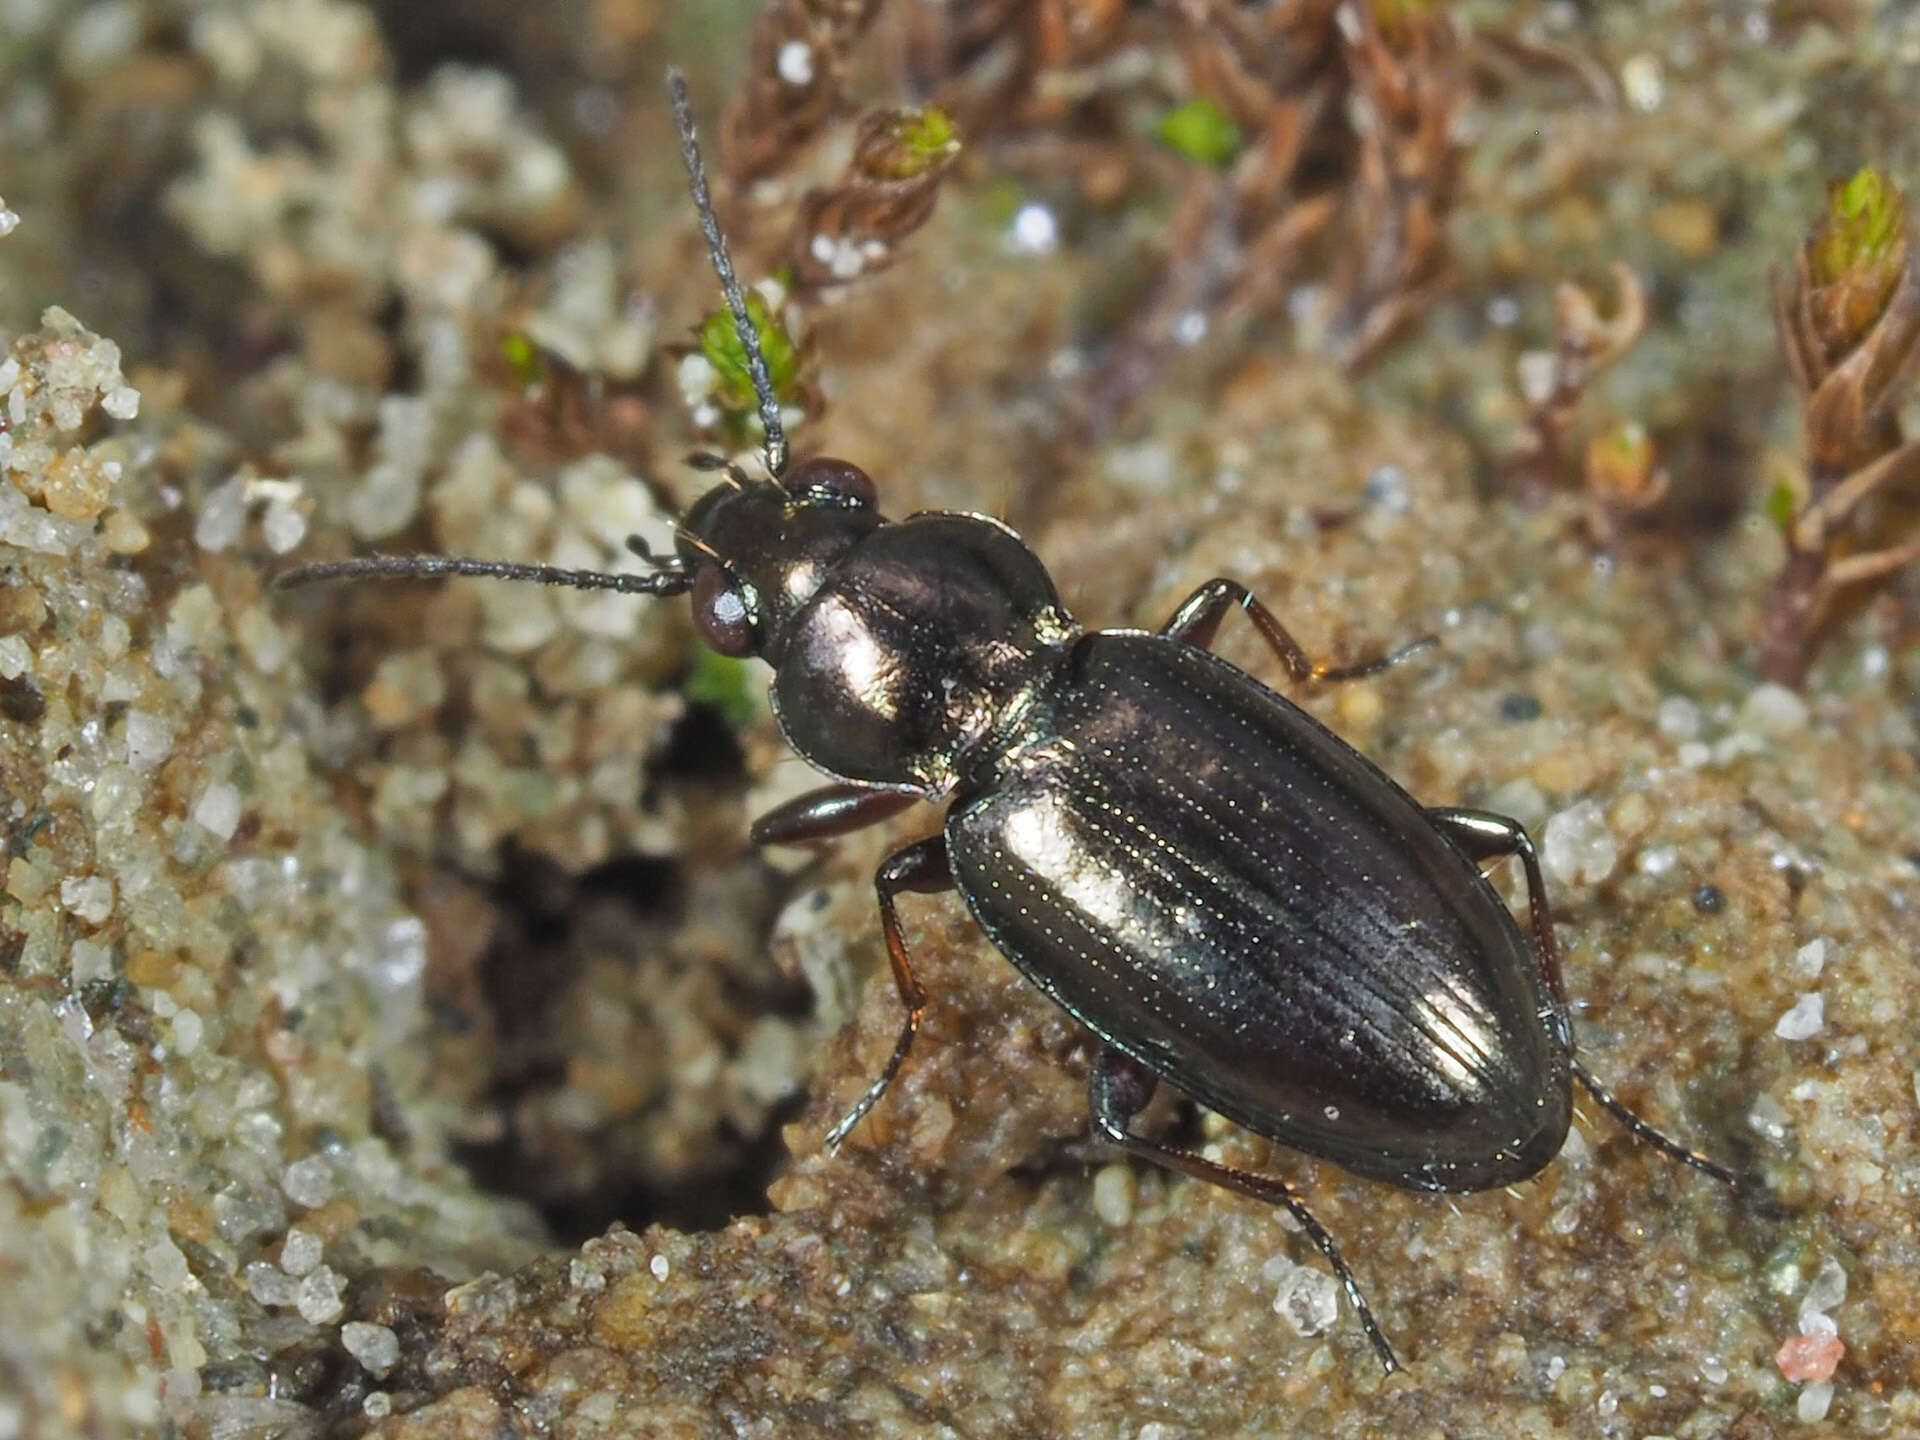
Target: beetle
1227, 895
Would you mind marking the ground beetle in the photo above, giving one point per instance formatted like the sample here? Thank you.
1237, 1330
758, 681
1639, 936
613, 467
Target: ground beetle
1225, 893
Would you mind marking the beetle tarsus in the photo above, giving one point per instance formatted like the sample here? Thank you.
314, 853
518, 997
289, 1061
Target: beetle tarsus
922, 868
1119, 1087
1644, 1132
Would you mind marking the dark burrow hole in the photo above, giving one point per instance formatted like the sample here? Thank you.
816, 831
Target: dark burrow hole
553, 981
702, 746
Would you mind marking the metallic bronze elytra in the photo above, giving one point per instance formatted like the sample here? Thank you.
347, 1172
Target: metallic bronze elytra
1224, 892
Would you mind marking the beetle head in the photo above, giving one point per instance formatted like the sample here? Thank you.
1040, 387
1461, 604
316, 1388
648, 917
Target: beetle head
758, 551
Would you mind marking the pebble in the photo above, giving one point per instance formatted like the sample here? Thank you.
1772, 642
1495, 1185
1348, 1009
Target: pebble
1577, 848
270, 1285
188, 1030
1113, 1189
1658, 859
88, 898
1678, 718
1774, 711
376, 1347
300, 1252
1809, 960
1308, 1299
1643, 83
1814, 1402
167, 1265
148, 739
89, 963
308, 1182
223, 516
1805, 1020
283, 527
1769, 1118
1827, 1289
218, 810
319, 1297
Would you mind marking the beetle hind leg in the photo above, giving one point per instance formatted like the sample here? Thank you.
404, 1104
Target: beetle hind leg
1483, 835
1646, 1133
920, 867
1197, 621
1120, 1087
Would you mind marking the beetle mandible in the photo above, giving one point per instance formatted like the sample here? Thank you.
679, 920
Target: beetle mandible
1226, 894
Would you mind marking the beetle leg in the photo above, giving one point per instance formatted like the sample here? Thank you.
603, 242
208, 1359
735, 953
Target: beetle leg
1665, 1144
1119, 1088
830, 811
1198, 620
1483, 835
921, 867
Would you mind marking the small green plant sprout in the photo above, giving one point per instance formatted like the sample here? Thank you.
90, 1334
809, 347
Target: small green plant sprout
735, 688
1202, 132
1622, 478
1849, 323
716, 381
1617, 468
522, 357
855, 227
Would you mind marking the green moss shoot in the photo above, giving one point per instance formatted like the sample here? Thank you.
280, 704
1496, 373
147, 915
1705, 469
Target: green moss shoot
927, 137
720, 343
522, 357
727, 684
1866, 219
1201, 131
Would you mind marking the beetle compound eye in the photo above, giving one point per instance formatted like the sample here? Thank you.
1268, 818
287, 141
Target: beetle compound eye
823, 476
721, 612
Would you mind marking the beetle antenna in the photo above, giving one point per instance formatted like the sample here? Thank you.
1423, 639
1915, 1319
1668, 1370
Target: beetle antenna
670, 579
776, 451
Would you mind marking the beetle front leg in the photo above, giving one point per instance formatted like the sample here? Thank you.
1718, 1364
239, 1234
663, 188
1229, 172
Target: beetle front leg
1483, 835
1119, 1087
920, 867
829, 812
1198, 620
